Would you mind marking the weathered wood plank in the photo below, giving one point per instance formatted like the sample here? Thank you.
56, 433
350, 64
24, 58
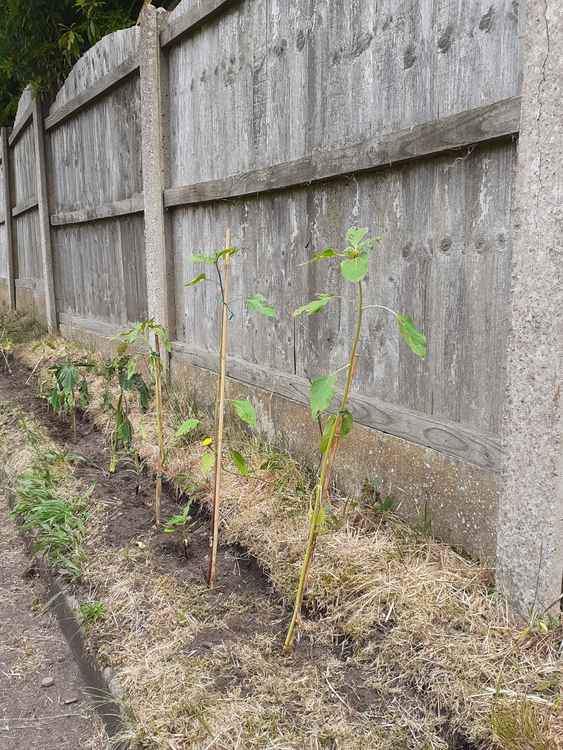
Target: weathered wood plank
447, 437
193, 18
44, 225
7, 210
21, 125
86, 98
481, 125
24, 206
133, 205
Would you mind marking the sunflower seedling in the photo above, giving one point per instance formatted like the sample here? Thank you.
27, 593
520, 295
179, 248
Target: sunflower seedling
354, 266
221, 260
120, 371
156, 339
69, 389
180, 524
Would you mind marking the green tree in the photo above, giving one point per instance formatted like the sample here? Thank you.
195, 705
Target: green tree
40, 40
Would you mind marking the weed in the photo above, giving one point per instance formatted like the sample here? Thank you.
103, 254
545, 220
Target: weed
92, 612
55, 521
520, 726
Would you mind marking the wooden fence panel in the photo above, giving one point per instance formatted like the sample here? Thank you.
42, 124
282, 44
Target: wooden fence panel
95, 177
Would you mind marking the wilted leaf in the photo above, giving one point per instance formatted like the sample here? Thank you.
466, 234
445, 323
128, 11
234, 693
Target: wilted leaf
131, 368
228, 251
207, 462
258, 303
207, 441
355, 269
68, 377
347, 423
323, 390
240, 463
314, 306
187, 426
415, 340
197, 280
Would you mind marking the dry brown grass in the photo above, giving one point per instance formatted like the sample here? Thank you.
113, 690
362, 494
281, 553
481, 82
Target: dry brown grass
435, 648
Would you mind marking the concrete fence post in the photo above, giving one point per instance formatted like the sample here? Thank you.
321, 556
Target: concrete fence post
530, 517
44, 217
159, 258
7, 209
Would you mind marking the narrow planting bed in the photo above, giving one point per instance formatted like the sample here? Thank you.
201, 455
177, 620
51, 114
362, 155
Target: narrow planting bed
404, 643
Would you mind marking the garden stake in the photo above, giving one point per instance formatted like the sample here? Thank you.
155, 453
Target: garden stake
219, 415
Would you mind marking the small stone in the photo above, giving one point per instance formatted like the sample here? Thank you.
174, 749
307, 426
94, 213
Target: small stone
47, 682
68, 701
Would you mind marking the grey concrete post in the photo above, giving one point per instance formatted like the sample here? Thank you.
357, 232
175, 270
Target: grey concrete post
44, 217
159, 258
7, 209
530, 518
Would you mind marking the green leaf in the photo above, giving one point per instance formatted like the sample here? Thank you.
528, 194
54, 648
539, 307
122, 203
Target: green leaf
347, 423
347, 420
131, 368
68, 378
83, 393
315, 305
197, 280
245, 411
258, 303
355, 269
323, 390
355, 235
187, 426
323, 255
415, 340
240, 463
203, 258
327, 432
228, 251
207, 462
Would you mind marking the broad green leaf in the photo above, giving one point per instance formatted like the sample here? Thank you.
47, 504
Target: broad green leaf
68, 378
240, 463
323, 255
197, 280
207, 462
323, 390
187, 426
203, 258
258, 303
355, 269
315, 305
415, 340
207, 441
355, 235
245, 411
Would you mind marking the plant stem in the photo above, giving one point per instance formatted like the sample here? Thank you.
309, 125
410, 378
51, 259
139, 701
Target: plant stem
159, 428
324, 478
219, 418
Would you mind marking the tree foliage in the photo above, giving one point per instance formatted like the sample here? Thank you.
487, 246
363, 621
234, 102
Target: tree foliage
40, 40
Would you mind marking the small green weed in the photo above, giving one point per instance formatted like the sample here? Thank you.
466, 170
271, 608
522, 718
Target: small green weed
55, 521
92, 612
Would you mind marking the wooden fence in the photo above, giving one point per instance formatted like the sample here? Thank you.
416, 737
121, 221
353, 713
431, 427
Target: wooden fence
289, 121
